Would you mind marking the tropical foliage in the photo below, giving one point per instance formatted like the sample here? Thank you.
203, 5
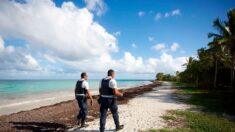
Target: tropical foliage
215, 64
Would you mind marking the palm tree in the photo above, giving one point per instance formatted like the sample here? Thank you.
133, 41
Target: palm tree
218, 53
193, 68
226, 38
206, 61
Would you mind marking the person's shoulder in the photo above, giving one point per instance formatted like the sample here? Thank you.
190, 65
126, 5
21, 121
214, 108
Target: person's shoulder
113, 80
85, 81
79, 80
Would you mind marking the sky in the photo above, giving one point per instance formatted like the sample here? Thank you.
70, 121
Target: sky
59, 39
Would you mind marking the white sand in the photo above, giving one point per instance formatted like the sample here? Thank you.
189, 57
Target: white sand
141, 113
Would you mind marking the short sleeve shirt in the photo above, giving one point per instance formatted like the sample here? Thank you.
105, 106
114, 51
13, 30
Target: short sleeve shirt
85, 84
112, 82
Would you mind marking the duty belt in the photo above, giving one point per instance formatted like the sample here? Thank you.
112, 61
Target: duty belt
108, 96
80, 94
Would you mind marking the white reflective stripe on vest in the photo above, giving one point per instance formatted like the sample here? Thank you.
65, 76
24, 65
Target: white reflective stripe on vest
80, 94
108, 96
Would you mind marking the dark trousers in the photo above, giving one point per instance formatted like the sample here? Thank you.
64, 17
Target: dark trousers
82, 103
108, 103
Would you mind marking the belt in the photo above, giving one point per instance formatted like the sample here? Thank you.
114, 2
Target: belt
80, 94
108, 96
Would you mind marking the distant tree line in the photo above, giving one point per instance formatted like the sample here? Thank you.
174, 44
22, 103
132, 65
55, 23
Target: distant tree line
168, 77
214, 65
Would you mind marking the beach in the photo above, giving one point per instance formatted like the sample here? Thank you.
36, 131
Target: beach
60, 116
142, 112
22, 95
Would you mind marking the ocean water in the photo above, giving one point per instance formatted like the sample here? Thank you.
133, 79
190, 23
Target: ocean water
17, 95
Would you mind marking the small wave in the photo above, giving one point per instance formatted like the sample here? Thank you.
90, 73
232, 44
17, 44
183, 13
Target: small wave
32, 101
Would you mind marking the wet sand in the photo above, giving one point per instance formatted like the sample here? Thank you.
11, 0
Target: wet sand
61, 116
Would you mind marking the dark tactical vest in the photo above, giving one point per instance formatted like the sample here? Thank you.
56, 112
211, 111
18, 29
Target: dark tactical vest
79, 89
105, 89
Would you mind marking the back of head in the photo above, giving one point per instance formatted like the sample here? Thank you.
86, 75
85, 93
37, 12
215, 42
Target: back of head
110, 72
83, 74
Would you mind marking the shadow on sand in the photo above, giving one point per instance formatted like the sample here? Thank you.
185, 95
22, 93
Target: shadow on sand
39, 126
111, 130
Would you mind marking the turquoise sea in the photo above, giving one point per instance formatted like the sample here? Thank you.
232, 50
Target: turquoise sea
16, 94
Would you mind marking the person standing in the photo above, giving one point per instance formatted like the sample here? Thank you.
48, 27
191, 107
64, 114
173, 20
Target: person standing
108, 92
81, 93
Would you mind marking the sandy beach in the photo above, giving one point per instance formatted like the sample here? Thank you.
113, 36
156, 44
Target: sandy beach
142, 112
60, 116
140, 109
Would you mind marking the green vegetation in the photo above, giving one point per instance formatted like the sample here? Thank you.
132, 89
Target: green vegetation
210, 79
213, 68
190, 91
206, 120
184, 121
209, 101
167, 77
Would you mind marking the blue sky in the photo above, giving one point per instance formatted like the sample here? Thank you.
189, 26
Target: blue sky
145, 36
190, 28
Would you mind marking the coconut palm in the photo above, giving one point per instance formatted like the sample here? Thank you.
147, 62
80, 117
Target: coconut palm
226, 38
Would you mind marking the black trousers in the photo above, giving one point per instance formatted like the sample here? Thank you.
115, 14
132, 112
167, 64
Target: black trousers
108, 103
82, 103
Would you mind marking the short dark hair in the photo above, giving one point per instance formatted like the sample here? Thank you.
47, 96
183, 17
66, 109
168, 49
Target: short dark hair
83, 74
110, 72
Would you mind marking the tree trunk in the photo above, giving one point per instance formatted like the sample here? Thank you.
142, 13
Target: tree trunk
197, 80
216, 72
232, 76
232, 72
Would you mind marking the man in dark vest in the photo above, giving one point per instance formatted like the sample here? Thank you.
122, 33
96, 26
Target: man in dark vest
108, 92
81, 93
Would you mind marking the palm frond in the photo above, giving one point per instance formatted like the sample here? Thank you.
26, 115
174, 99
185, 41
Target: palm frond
213, 35
220, 27
231, 21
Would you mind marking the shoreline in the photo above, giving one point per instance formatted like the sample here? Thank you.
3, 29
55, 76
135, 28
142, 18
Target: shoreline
60, 116
33, 102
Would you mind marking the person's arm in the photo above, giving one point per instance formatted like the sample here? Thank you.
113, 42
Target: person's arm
115, 89
100, 87
88, 93
117, 92
90, 96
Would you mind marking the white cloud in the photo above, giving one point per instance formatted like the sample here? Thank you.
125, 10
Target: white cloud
118, 33
158, 16
151, 39
133, 45
167, 14
141, 13
12, 58
68, 32
164, 48
174, 46
131, 64
67, 36
159, 46
1, 44
176, 12
168, 63
173, 13
97, 6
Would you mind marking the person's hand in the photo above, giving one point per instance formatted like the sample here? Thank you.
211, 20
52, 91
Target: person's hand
122, 92
91, 102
